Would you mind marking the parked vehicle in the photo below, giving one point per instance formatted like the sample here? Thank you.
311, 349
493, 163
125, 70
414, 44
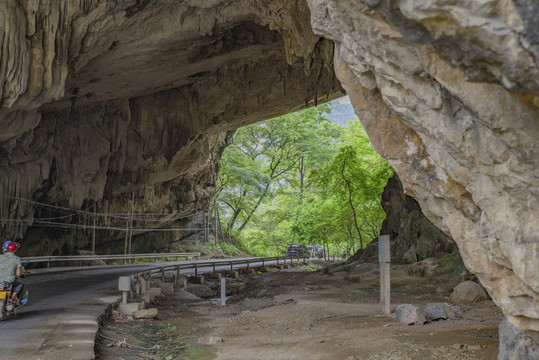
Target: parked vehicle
8, 308
298, 250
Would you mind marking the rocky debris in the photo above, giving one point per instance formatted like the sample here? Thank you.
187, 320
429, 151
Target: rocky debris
145, 314
410, 314
517, 344
467, 292
118, 316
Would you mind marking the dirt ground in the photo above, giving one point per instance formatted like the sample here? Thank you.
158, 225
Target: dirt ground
304, 313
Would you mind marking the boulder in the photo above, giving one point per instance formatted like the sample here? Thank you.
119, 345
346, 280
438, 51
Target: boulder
467, 292
517, 344
410, 314
145, 313
435, 312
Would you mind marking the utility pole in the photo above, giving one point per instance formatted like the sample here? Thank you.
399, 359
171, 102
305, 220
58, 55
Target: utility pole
126, 228
131, 223
93, 233
205, 225
215, 209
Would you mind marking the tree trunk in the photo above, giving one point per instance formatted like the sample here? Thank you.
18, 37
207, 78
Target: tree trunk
352, 204
255, 207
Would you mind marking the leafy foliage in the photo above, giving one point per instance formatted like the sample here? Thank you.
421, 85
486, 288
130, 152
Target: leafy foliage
301, 178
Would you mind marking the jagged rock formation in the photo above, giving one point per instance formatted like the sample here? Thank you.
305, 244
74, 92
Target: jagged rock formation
413, 236
109, 101
447, 91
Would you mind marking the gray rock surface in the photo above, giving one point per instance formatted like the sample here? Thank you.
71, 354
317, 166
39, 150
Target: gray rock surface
145, 313
410, 314
435, 312
467, 292
517, 344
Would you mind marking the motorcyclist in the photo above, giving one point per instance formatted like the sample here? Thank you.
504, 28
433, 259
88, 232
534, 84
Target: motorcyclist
11, 269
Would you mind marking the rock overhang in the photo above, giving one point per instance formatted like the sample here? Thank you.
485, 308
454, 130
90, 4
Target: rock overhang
107, 99
446, 90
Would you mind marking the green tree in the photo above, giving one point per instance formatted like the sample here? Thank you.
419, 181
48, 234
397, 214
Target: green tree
269, 156
301, 178
356, 177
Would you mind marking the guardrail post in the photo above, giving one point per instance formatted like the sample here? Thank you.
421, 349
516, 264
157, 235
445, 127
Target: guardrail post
196, 269
162, 274
248, 261
177, 275
214, 268
277, 260
262, 262
231, 267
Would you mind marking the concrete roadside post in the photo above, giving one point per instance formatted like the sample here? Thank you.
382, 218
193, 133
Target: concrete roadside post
384, 257
223, 291
124, 285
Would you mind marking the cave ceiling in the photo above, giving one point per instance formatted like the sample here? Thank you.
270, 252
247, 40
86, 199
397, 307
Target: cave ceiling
128, 104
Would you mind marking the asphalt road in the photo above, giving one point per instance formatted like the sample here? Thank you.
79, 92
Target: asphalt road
60, 319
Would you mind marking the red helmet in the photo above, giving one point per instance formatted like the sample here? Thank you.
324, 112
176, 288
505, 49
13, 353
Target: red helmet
13, 246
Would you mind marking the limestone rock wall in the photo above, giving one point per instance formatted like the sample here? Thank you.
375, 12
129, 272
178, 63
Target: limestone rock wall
447, 91
413, 236
125, 106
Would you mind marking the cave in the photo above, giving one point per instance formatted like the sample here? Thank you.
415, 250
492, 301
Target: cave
128, 104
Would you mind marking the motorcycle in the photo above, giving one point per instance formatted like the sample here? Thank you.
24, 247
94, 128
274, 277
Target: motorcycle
8, 308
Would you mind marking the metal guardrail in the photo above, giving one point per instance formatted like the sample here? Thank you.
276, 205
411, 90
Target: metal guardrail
129, 257
147, 274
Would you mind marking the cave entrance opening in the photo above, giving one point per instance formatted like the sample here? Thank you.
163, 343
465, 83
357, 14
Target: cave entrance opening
309, 177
